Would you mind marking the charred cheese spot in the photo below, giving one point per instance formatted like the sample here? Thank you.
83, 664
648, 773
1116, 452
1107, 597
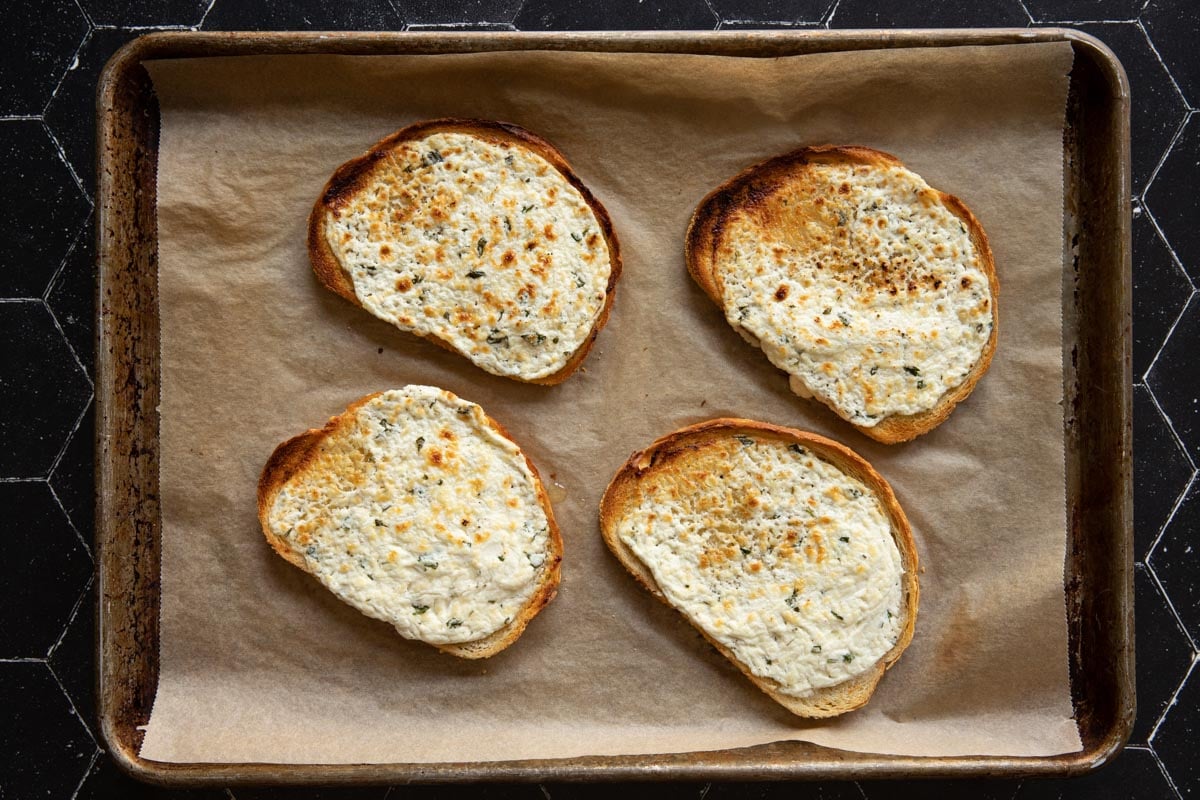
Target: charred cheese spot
449, 230
885, 265
374, 509
803, 586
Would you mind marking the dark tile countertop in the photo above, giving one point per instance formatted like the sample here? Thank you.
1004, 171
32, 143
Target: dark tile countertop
52, 53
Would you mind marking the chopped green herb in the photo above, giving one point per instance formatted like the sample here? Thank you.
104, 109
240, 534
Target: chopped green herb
475, 273
836, 614
848, 657
577, 236
311, 551
745, 550
912, 370
746, 440
507, 225
793, 601
482, 243
378, 523
843, 538
816, 648
502, 556
433, 157
580, 282
874, 370
463, 411
508, 160
495, 337
526, 209
419, 609
426, 561
842, 218
920, 384
827, 310
795, 448
536, 559
842, 318
533, 338
420, 443
454, 623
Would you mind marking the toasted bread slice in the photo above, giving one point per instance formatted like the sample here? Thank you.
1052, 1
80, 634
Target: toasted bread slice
476, 235
418, 509
875, 292
786, 550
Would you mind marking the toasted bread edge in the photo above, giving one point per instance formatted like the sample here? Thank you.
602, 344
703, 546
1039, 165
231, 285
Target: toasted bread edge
621, 494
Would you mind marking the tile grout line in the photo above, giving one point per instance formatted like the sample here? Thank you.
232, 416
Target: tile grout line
1171, 606
71, 703
1028, 16
62, 154
87, 773
20, 118
1154, 49
1162, 717
1170, 516
1161, 347
827, 18
71, 522
204, 16
87, 37
22, 660
1170, 423
87, 588
1163, 237
78, 421
1187, 116
70, 347
58, 271
86, 16
1162, 768
24, 480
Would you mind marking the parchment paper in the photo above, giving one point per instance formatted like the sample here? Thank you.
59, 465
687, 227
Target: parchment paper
260, 663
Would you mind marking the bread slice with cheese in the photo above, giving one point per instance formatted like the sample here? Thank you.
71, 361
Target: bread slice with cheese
418, 509
875, 292
786, 550
476, 235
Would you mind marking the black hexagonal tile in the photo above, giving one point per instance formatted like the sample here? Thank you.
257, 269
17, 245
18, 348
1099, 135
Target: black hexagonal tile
46, 748
1163, 654
1160, 291
1133, 776
1158, 107
74, 476
982, 789
1175, 740
73, 658
585, 15
42, 216
441, 12
771, 10
43, 573
1176, 561
138, 13
1172, 378
303, 15
37, 42
1160, 471
829, 790
72, 112
1064, 11
1174, 27
42, 390
106, 781
71, 297
928, 14
1174, 201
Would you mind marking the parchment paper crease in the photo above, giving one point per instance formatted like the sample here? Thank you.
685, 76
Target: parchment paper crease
259, 663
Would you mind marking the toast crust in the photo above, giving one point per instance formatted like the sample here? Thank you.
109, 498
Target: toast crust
352, 177
297, 453
755, 183
664, 455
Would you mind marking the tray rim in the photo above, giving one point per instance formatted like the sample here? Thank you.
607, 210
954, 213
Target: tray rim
705, 765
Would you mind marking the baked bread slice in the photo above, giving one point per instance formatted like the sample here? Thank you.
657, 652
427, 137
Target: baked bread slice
875, 292
418, 509
786, 550
476, 235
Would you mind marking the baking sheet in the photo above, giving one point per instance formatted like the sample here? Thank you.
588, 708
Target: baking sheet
259, 663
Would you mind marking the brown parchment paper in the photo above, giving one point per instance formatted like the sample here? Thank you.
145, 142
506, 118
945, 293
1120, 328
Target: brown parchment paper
259, 663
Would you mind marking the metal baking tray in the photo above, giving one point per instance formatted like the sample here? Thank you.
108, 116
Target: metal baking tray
1097, 412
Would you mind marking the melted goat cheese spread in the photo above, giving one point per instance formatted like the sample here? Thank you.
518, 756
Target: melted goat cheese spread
778, 555
416, 512
863, 286
484, 245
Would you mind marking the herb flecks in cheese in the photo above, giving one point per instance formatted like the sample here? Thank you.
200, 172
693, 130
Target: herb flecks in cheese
421, 515
862, 285
778, 555
485, 245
